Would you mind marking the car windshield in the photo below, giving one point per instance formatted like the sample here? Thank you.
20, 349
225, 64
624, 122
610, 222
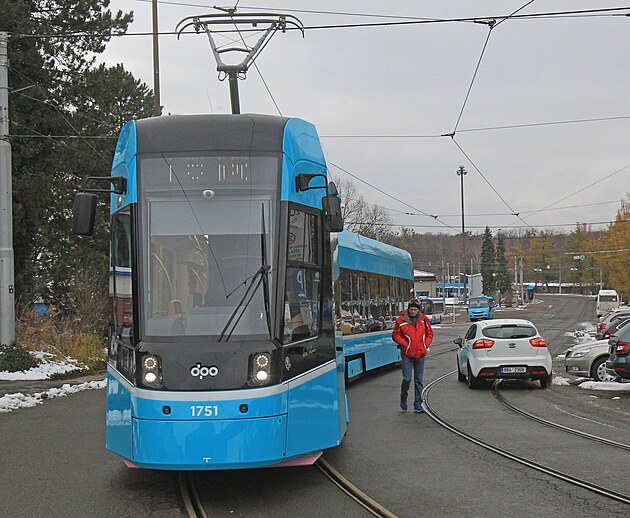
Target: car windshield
509, 331
207, 222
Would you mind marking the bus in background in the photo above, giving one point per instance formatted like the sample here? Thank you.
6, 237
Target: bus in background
607, 299
432, 308
481, 307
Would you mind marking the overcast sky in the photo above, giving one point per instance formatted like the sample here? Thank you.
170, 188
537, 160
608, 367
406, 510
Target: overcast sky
401, 87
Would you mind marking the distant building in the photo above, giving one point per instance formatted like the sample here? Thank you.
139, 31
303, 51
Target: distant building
424, 284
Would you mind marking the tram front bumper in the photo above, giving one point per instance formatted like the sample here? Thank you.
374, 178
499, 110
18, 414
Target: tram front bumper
209, 444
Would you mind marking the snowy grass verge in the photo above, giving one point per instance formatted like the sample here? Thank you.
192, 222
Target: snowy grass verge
11, 402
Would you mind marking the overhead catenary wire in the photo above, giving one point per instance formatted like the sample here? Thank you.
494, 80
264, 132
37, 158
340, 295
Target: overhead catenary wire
554, 14
475, 20
498, 226
394, 197
513, 212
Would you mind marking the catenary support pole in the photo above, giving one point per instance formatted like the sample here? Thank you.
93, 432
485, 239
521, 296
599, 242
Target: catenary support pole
7, 296
522, 292
157, 108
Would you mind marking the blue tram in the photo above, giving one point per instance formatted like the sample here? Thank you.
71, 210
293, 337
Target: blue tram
225, 351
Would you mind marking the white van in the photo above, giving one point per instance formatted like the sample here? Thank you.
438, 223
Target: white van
606, 299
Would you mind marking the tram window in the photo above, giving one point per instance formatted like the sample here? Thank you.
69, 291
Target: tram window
120, 285
302, 240
303, 278
301, 304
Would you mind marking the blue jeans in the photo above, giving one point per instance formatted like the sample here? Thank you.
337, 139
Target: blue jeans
417, 365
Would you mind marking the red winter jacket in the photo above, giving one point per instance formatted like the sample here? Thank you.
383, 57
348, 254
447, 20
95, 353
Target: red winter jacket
412, 340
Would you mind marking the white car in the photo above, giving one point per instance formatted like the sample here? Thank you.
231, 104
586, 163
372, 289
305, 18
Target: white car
503, 348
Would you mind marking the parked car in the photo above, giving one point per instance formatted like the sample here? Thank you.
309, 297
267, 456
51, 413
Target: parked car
612, 328
611, 314
589, 360
503, 348
619, 351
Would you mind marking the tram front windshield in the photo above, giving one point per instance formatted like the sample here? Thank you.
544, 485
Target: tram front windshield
207, 227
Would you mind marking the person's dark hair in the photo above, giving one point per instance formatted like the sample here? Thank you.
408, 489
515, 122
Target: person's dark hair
413, 303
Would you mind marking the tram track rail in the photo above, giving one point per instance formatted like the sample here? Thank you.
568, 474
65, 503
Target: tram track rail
595, 488
499, 397
353, 491
190, 495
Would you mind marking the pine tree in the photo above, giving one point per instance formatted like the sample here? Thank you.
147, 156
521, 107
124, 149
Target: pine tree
488, 266
503, 282
58, 92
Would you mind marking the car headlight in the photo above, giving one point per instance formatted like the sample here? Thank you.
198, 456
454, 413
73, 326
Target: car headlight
259, 368
151, 371
580, 353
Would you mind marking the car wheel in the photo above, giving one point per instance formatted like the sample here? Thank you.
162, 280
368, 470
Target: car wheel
599, 371
473, 382
545, 381
460, 376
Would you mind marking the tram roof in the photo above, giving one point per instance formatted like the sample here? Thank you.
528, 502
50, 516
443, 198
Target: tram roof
362, 253
224, 132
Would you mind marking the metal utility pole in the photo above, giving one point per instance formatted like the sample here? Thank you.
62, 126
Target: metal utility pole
157, 107
7, 296
522, 294
560, 277
461, 172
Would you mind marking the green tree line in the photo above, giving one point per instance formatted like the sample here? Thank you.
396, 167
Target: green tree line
65, 112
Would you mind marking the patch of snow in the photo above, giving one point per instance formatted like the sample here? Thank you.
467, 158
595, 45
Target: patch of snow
559, 380
45, 370
12, 402
604, 385
581, 337
560, 357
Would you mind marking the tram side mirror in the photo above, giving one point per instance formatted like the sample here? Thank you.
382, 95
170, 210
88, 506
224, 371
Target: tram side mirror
458, 341
84, 213
331, 203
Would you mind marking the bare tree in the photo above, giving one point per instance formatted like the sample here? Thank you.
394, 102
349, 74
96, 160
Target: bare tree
360, 216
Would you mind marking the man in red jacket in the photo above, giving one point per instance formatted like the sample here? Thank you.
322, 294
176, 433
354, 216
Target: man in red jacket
414, 335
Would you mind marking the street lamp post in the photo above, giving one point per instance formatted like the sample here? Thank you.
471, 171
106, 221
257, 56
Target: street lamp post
461, 172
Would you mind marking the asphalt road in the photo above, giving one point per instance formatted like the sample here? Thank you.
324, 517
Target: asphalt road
53, 461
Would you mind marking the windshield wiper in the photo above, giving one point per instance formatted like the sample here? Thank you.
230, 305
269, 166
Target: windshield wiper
256, 280
260, 276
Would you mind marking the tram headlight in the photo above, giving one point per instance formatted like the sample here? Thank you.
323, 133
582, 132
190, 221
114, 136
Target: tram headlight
259, 368
151, 370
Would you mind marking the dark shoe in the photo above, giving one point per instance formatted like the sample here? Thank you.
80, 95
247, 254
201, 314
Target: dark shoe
403, 406
418, 410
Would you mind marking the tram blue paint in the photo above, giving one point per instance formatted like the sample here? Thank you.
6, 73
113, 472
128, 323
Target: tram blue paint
124, 164
357, 252
302, 153
355, 367
378, 349
304, 409
118, 420
315, 400
205, 444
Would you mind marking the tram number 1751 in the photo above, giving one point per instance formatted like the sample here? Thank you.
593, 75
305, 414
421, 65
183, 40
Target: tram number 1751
204, 410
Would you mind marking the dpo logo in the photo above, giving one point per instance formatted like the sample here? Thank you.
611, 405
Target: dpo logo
202, 371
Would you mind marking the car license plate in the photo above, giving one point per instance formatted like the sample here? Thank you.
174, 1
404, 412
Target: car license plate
513, 370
